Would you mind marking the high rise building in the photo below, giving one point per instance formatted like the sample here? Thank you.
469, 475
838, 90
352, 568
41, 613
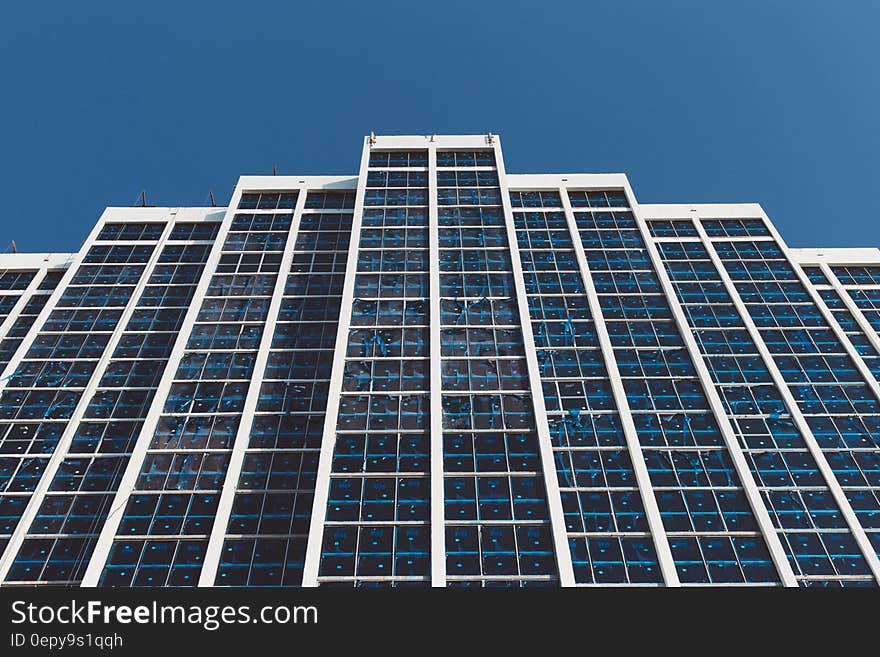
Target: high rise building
435, 373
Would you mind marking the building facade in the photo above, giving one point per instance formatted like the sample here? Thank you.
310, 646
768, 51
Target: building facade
435, 373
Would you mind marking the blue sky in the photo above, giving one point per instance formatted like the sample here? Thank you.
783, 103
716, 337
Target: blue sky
773, 102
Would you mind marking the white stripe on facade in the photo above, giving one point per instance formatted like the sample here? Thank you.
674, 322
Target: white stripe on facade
328, 439
438, 494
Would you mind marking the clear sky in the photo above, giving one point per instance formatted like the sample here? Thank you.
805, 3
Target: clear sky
773, 102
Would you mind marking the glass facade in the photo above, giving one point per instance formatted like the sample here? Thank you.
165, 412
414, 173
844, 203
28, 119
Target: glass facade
605, 520
48, 387
268, 526
435, 373
851, 296
376, 529
801, 506
709, 523
497, 522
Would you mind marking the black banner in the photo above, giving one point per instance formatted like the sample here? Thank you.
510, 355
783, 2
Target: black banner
285, 621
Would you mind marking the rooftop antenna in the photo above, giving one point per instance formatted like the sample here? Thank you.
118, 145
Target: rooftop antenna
490, 138
14, 247
372, 138
433, 135
211, 194
143, 198
274, 169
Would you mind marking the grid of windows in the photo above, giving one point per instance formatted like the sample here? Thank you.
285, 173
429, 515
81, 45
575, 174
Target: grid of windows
841, 410
268, 526
41, 396
131, 231
608, 533
672, 228
202, 231
267, 201
398, 159
25, 318
792, 488
612, 198
735, 227
14, 439
838, 309
862, 285
11, 279
852, 275
498, 530
7, 303
712, 531
376, 530
816, 275
84, 487
163, 533
316, 200
867, 300
535, 199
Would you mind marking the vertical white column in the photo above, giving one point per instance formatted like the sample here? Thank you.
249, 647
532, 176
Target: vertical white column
242, 436
135, 461
643, 479
438, 495
548, 467
328, 440
793, 408
60, 453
